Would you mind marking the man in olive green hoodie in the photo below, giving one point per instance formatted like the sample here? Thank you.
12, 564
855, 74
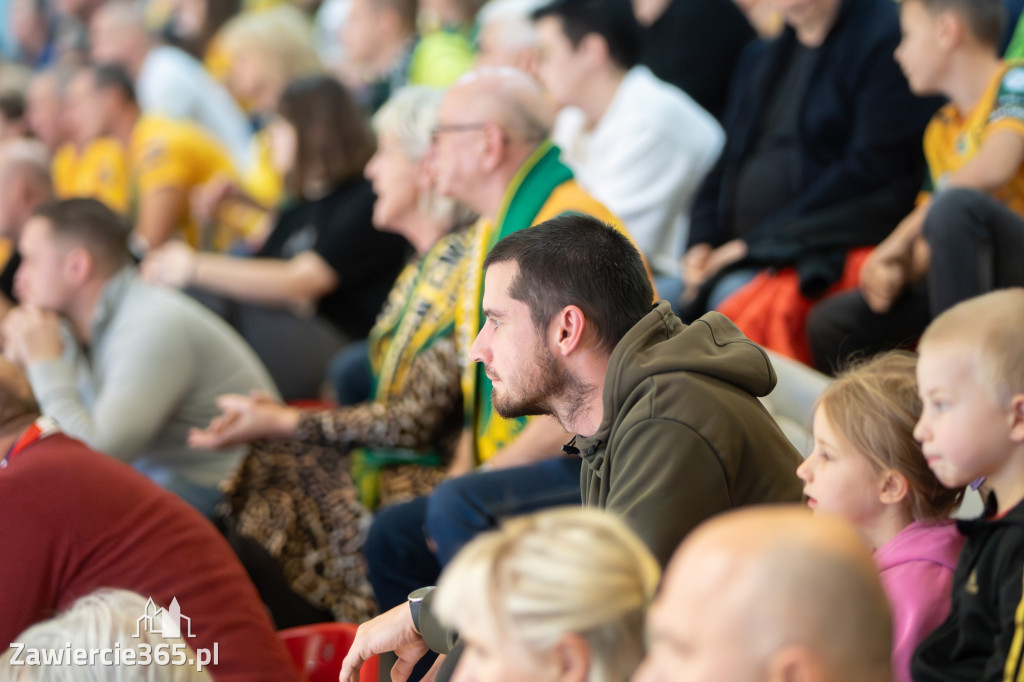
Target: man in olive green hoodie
670, 428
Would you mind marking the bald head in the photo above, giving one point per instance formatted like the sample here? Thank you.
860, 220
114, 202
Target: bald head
25, 157
765, 591
506, 97
490, 122
24, 183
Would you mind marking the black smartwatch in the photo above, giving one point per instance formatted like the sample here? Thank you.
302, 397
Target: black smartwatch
415, 600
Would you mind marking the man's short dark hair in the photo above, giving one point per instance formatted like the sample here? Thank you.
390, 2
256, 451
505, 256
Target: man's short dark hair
613, 20
114, 76
578, 260
88, 222
12, 105
985, 18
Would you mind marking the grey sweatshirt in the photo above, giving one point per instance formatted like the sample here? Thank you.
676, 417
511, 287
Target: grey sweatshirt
156, 364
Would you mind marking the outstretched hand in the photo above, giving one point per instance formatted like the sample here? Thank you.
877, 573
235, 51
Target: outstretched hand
246, 418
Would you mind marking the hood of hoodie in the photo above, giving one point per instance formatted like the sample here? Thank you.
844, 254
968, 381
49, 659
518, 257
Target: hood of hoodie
938, 542
661, 344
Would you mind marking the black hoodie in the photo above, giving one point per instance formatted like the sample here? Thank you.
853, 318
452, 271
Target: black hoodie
983, 636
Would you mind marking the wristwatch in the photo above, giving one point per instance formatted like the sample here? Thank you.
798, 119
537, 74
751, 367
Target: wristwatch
415, 600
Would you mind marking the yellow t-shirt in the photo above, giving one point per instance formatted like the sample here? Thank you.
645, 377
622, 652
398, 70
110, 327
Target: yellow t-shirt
261, 180
170, 153
100, 172
952, 139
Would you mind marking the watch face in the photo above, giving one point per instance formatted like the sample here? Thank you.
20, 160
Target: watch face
418, 595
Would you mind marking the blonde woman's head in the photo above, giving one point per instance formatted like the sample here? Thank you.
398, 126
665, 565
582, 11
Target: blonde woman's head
267, 50
556, 595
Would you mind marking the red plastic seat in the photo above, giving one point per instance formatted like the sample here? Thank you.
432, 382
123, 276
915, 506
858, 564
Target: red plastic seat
318, 651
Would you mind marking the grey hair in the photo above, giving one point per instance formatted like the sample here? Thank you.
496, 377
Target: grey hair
410, 115
101, 620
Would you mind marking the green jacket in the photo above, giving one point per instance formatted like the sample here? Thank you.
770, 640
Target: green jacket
684, 435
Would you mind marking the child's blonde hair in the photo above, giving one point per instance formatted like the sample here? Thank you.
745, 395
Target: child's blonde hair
874, 405
992, 325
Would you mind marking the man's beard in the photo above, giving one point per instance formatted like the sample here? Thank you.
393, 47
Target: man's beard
551, 385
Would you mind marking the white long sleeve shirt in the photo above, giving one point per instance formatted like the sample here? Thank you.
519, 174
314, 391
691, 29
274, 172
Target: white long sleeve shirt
645, 160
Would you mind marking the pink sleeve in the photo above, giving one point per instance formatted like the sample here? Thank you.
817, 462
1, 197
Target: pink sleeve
920, 593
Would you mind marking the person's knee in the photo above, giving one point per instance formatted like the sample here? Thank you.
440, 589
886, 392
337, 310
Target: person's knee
825, 321
951, 214
450, 504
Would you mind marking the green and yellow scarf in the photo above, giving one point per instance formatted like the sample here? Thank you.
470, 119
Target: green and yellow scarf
420, 310
527, 194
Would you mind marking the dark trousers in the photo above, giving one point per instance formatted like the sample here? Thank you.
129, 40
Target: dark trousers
397, 552
296, 350
977, 246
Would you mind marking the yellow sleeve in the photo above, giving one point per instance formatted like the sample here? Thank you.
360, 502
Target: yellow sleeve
157, 161
62, 171
108, 171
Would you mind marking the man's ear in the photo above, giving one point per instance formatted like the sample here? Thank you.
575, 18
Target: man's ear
528, 61
566, 330
1017, 417
19, 190
79, 265
594, 48
951, 30
493, 147
571, 658
893, 487
794, 663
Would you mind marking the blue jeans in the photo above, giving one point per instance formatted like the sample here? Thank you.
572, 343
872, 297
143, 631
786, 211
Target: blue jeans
462, 508
350, 375
729, 285
397, 553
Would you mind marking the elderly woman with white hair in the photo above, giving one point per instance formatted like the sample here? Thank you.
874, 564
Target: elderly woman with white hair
301, 497
558, 596
109, 622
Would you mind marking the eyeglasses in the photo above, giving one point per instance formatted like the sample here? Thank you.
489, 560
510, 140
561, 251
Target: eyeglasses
454, 128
